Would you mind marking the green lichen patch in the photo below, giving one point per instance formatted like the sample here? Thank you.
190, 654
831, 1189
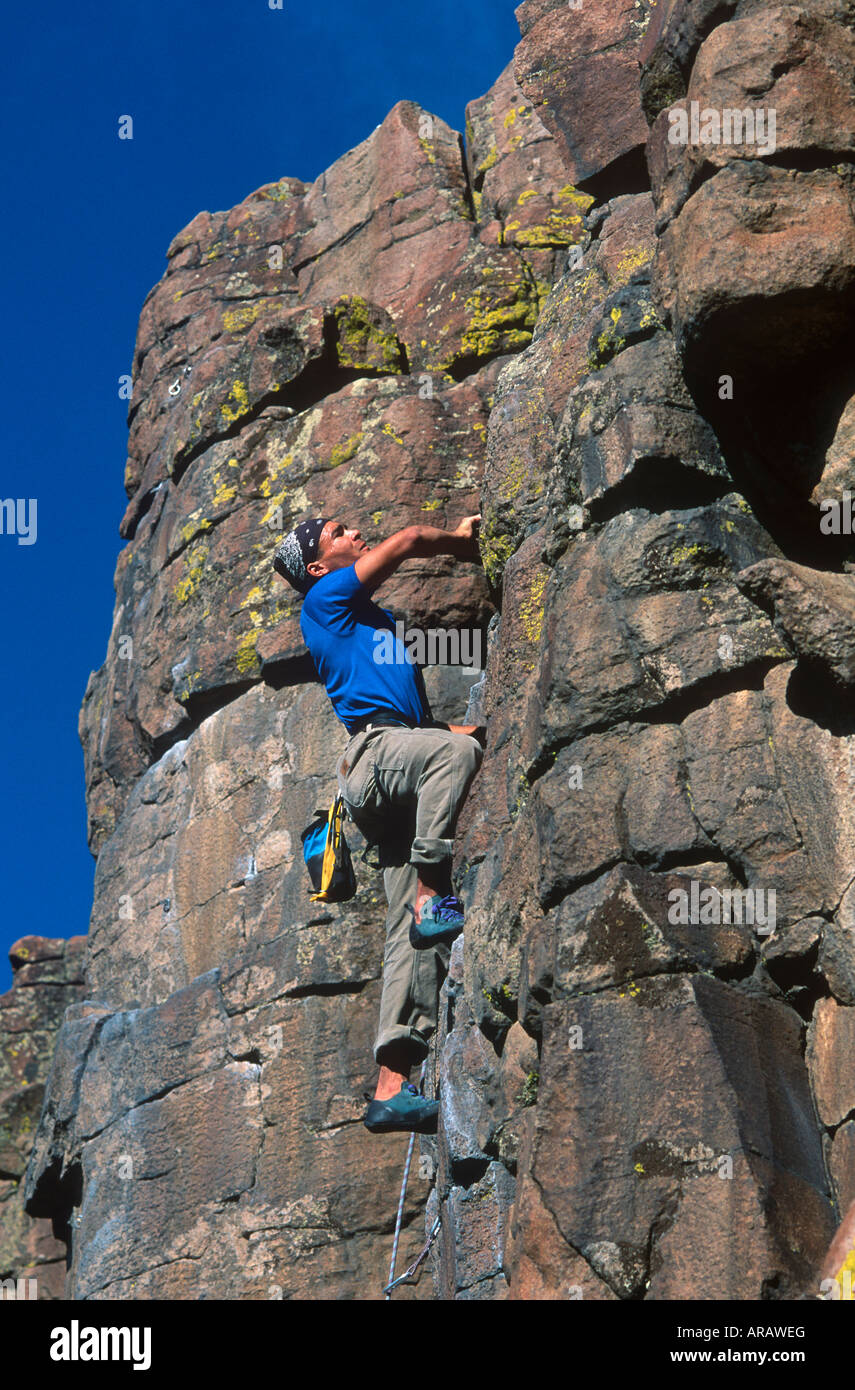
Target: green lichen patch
362, 339
528, 1091
194, 566
236, 404
342, 453
500, 324
496, 550
532, 611
607, 344
276, 192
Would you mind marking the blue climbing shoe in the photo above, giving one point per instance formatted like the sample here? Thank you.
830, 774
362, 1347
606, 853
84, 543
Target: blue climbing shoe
408, 1111
441, 920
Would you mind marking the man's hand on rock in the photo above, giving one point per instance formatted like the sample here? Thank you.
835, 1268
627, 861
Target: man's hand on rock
468, 529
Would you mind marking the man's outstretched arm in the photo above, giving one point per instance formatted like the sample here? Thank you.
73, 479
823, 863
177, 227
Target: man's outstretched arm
415, 542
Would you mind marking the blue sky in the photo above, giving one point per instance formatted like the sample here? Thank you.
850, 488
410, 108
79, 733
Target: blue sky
225, 97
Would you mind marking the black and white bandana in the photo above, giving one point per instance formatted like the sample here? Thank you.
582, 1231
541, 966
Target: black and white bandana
297, 550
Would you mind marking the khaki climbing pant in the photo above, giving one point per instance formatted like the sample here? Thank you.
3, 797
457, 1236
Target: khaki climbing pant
403, 789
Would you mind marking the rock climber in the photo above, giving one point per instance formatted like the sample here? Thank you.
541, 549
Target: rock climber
403, 778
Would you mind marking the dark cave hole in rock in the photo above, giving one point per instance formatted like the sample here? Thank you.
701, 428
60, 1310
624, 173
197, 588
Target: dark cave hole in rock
58, 1195
466, 1172
811, 695
786, 407
659, 484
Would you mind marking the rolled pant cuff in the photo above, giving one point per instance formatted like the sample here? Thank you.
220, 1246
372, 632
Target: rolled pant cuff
430, 851
417, 1046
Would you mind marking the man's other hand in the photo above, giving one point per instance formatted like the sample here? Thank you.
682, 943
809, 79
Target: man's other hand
476, 731
415, 542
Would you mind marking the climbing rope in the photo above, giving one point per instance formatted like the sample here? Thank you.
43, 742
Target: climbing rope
422, 1255
392, 1280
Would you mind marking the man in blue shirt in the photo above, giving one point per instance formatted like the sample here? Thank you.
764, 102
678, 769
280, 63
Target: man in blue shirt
403, 777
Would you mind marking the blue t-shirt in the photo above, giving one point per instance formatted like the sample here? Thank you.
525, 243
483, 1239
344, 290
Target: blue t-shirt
338, 622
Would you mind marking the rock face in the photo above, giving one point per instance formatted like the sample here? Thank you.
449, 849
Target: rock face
328, 348
632, 357
669, 702
47, 978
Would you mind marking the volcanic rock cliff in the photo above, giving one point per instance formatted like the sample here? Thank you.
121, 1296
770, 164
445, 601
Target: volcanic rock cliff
47, 978
633, 355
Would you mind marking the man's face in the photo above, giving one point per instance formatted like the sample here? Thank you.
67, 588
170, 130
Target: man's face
338, 547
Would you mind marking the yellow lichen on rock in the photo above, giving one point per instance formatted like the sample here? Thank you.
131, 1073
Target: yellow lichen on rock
389, 430
194, 562
532, 611
240, 396
187, 685
224, 492
274, 468
195, 523
362, 342
496, 549
631, 261
503, 326
236, 320
246, 656
342, 453
511, 483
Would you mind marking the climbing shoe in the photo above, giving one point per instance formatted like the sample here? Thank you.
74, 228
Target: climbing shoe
440, 921
408, 1110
